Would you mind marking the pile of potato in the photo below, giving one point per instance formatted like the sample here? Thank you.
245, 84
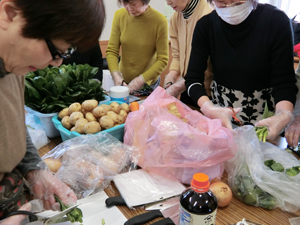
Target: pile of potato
90, 118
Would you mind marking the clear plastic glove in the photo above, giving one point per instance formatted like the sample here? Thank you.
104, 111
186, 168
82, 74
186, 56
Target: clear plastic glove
292, 132
117, 77
17, 219
170, 79
44, 185
216, 112
177, 88
136, 84
276, 124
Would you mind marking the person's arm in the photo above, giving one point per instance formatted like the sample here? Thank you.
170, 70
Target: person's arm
31, 158
174, 71
162, 53
194, 79
113, 51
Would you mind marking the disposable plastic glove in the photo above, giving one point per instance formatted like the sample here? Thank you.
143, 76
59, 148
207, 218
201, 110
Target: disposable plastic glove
177, 88
216, 112
117, 77
136, 84
292, 132
44, 185
170, 79
277, 123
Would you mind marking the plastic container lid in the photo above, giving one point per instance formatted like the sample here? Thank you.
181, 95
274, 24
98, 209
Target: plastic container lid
119, 92
200, 182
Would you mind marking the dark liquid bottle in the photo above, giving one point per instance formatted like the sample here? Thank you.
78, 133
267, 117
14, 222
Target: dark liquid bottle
198, 205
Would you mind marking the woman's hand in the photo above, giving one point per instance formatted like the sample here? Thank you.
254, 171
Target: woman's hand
216, 112
292, 132
16, 220
136, 84
177, 88
44, 185
117, 77
277, 123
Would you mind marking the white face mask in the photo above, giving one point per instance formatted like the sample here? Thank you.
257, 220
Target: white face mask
236, 14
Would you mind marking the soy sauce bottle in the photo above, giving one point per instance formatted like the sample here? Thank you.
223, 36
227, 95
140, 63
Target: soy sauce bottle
198, 205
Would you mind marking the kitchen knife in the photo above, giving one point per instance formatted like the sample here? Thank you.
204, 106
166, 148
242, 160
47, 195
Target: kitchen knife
162, 205
171, 212
112, 201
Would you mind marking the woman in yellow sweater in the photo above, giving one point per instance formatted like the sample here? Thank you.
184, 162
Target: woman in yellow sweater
142, 33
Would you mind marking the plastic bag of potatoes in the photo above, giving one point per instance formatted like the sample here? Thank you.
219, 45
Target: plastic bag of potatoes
88, 163
90, 118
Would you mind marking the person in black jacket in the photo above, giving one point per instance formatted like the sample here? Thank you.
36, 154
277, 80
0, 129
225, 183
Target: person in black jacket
251, 50
93, 57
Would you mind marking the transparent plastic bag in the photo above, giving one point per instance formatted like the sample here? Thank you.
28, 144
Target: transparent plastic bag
37, 133
170, 146
88, 163
256, 184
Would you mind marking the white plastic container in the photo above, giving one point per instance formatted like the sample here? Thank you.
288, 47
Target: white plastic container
119, 93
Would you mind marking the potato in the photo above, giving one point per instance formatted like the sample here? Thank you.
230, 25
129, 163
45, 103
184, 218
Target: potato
123, 113
64, 112
106, 122
80, 125
89, 105
84, 112
72, 129
66, 122
115, 107
75, 116
113, 115
100, 111
90, 117
75, 107
125, 107
91, 127
121, 119
53, 164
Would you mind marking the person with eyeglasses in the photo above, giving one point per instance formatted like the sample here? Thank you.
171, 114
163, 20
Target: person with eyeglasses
142, 34
33, 35
251, 49
181, 28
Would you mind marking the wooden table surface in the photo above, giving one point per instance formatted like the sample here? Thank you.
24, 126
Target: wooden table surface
231, 214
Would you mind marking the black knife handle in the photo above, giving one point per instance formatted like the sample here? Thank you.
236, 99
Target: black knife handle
165, 221
118, 200
144, 218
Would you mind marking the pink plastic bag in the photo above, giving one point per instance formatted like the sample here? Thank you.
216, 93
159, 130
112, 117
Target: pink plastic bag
173, 148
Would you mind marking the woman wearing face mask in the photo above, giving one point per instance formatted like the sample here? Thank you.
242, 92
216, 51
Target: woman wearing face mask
182, 24
142, 32
251, 50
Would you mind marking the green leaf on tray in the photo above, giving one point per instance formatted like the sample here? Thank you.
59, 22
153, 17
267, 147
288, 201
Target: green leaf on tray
50, 90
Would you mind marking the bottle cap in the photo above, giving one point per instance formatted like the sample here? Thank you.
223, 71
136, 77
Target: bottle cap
200, 182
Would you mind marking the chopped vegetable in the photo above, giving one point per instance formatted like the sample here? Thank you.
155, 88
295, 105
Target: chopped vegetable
74, 216
103, 221
277, 167
134, 106
293, 171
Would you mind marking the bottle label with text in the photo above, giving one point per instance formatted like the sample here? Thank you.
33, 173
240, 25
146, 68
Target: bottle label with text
186, 218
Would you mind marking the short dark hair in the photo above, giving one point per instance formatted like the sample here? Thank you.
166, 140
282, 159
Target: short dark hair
145, 2
77, 22
254, 3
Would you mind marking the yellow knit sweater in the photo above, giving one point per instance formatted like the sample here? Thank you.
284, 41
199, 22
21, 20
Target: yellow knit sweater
145, 45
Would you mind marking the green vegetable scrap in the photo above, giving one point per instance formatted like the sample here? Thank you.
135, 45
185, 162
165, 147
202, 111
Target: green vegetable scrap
50, 90
103, 221
293, 171
74, 216
262, 132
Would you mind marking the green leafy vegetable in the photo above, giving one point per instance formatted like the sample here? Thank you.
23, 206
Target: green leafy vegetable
262, 132
103, 221
52, 89
74, 216
293, 171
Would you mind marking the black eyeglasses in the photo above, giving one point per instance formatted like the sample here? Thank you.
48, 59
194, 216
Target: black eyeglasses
55, 54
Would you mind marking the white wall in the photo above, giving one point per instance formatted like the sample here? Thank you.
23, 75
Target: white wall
112, 5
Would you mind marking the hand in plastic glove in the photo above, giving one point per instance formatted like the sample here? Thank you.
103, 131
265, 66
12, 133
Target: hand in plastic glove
117, 77
170, 78
44, 185
276, 124
216, 112
136, 84
292, 132
17, 219
177, 88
